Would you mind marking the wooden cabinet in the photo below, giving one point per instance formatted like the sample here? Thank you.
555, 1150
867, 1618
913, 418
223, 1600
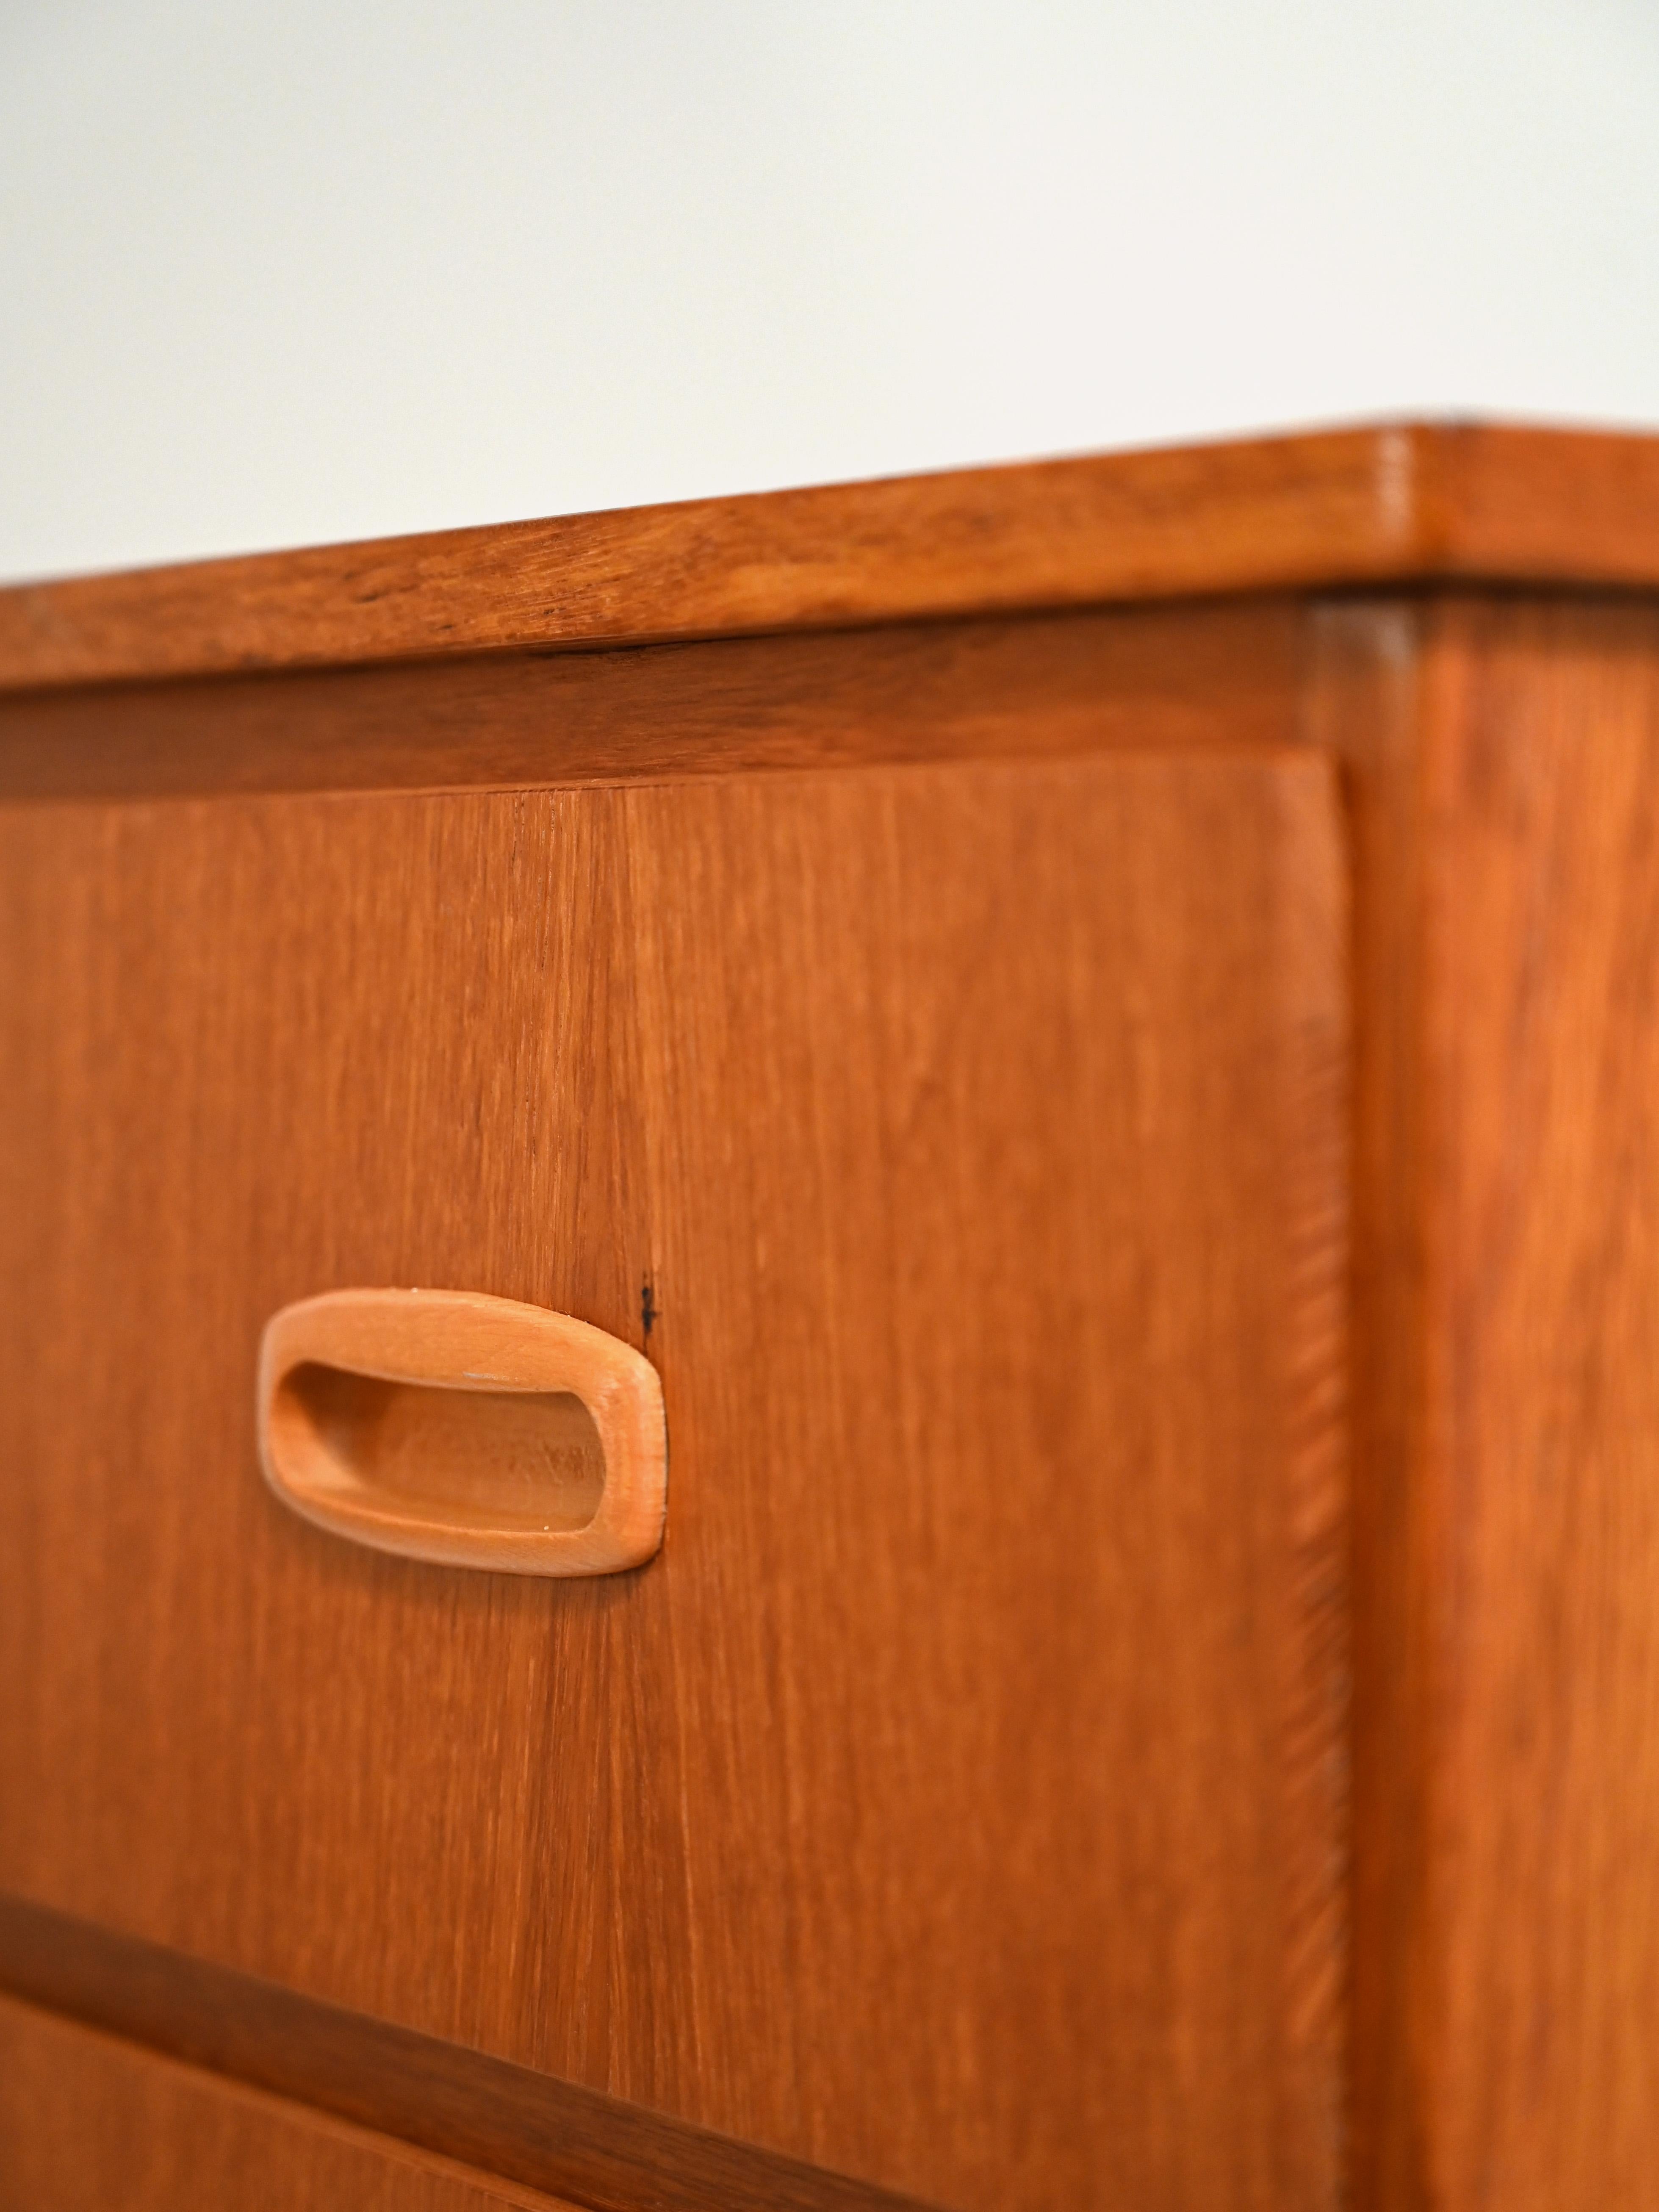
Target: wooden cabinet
1121, 1130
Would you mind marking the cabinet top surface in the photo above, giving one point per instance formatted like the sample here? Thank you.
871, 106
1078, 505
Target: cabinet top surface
1387, 503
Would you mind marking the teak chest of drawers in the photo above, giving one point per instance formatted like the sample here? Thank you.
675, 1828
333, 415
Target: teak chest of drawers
1098, 1025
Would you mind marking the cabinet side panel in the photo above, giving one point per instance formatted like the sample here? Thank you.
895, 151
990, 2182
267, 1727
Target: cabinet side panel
1538, 2013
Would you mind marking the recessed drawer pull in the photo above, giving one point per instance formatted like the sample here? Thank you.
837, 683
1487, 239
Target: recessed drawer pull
472, 1431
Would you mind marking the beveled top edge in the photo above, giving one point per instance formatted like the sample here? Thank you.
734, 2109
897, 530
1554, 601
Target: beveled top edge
1381, 503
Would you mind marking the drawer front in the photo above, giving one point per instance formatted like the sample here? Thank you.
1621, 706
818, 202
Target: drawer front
88, 2122
954, 1802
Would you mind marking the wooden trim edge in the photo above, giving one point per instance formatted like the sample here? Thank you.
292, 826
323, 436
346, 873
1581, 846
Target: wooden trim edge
487, 2113
1388, 502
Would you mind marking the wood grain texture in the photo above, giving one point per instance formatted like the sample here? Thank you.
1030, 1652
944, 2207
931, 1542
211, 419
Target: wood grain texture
1401, 501
1535, 2019
955, 1803
425, 2096
88, 2122
1149, 677
1504, 758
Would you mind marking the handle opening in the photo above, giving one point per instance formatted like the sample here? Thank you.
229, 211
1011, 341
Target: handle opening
488, 1460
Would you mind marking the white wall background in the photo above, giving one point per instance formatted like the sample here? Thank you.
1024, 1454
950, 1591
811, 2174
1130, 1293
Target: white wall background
335, 268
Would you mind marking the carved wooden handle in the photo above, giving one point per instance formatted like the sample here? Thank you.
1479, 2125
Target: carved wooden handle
468, 1430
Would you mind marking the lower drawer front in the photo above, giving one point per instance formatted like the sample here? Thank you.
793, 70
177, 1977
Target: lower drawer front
952, 1802
88, 2122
